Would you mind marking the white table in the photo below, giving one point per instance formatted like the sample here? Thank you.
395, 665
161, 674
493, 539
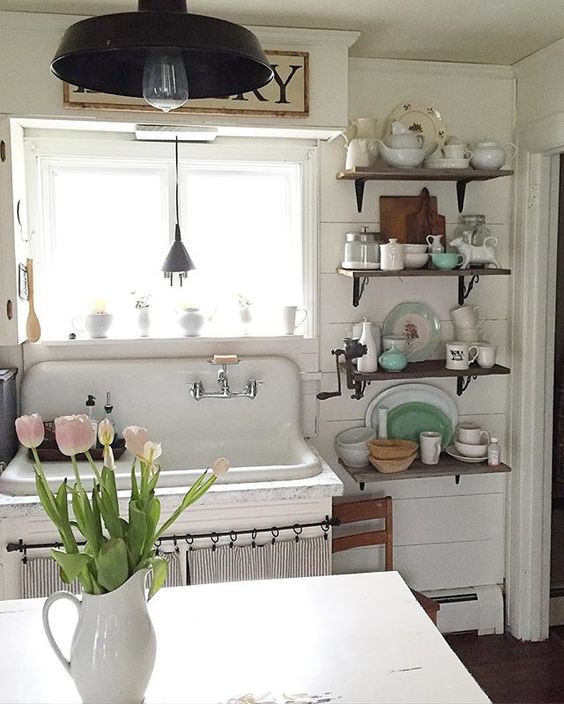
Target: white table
356, 638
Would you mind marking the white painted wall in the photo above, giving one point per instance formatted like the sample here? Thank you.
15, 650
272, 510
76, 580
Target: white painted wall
446, 535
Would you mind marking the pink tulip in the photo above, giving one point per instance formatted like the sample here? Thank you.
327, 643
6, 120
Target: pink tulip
220, 466
106, 432
74, 434
30, 430
135, 439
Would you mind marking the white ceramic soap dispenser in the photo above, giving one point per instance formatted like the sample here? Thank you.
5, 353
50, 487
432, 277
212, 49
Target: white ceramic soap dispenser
369, 361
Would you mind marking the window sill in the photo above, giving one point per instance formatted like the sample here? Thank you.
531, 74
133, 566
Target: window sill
194, 346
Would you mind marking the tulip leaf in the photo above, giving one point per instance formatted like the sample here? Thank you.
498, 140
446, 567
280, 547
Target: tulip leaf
160, 571
112, 564
70, 565
109, 485
153, 513
136, 533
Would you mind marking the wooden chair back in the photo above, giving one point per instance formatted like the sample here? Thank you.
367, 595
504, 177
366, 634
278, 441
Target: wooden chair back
366, 510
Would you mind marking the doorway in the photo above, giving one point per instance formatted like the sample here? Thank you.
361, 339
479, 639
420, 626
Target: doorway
557, 512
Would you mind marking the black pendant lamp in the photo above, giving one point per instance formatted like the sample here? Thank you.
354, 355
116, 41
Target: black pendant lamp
161, 53
178, 260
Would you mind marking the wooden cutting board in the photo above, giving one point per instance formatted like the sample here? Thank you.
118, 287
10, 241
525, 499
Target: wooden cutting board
394, 211
426, 221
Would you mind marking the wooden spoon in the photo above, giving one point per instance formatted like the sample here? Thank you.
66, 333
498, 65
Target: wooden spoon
32, 326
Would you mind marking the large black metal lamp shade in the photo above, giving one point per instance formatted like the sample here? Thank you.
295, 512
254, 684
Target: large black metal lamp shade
108, 53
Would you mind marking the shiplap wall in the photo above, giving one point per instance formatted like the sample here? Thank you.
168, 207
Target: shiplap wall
446, 535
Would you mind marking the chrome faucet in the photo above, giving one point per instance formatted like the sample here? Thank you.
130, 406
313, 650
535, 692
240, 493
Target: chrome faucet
198, 392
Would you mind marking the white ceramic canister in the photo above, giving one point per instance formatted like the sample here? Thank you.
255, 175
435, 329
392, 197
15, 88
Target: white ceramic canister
392, 256
369, 361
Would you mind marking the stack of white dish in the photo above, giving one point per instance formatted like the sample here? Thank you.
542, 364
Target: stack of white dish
467, 322
351, 446
415, 256
470, 443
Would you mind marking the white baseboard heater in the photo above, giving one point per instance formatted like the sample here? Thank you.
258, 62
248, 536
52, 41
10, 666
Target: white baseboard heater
470, 609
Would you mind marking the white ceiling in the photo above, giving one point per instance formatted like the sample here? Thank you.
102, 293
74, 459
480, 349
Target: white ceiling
477, 31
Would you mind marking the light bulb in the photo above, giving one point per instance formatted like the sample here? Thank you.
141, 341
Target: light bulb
165, 85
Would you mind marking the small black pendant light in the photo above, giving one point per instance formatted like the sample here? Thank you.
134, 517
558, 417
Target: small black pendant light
178, 260
162, 53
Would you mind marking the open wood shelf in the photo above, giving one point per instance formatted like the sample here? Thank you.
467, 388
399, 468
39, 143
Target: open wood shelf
382, 172
447, 467
429, 368
377, 273
360, 278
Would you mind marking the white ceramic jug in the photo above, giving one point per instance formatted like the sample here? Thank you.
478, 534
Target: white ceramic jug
361, 153
114, 646
435, 244
491, 155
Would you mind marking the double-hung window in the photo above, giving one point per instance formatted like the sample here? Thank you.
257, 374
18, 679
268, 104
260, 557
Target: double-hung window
103, 211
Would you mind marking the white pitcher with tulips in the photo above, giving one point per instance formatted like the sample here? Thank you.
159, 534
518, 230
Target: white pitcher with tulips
113, 648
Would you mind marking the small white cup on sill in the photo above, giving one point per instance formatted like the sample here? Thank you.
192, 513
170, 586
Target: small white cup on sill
97, 325
289, 324
430, 446
460, 355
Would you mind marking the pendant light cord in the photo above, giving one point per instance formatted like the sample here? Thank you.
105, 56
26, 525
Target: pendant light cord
177, 232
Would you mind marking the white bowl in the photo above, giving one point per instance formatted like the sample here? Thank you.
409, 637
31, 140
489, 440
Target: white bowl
355, 438
415, 261
471, 450
414, 248
403, 158
353, 457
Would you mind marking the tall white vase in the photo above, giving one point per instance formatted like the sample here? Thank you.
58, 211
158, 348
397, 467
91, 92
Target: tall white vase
114, 647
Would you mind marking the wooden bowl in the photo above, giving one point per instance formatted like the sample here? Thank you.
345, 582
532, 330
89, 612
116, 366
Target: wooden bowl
391, 466
392, 449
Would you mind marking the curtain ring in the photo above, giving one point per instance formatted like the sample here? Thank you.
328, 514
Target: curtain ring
175, 543
24, 558
325, 528
297, 528
275, 533
233, 538
189, 540
254, 537
214, 537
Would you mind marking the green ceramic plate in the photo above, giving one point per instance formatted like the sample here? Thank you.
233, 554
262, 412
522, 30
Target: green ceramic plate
405, 422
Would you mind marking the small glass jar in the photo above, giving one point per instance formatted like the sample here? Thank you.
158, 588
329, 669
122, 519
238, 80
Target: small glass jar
361, 250
472, 229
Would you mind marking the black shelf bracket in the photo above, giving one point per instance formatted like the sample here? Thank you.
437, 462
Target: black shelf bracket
457, 478
359, 190
362, 485
461, 193
463, 290
462, 383
359, 284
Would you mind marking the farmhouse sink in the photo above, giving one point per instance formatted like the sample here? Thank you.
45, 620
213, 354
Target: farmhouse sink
261, 437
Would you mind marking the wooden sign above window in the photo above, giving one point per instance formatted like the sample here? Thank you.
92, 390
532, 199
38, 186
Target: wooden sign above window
286, 95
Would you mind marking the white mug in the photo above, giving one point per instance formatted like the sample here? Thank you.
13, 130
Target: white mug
97, 325
486, 355
472, 434
467, 316
471, 335
430, 447
457, 151
289, 318
460, 355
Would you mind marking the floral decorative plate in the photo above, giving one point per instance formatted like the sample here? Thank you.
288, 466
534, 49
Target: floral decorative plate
420, 119
420, 325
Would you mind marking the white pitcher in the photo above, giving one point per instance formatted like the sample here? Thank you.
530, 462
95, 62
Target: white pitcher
361, 152
114, 646
435, 244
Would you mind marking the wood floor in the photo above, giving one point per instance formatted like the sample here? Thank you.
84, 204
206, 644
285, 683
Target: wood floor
512, 672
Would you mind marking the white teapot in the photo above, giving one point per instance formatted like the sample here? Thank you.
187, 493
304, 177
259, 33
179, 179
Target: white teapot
491, 155
402, 138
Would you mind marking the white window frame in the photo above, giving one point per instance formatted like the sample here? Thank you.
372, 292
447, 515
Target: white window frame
43, 150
